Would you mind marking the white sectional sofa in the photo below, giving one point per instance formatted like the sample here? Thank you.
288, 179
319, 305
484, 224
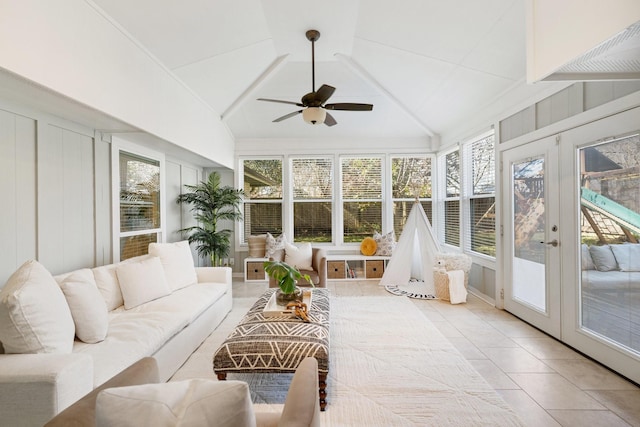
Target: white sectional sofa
64, 336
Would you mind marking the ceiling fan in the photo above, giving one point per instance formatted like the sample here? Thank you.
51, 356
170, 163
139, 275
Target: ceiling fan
314, 108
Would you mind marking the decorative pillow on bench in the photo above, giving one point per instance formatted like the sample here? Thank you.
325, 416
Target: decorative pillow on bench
627, 256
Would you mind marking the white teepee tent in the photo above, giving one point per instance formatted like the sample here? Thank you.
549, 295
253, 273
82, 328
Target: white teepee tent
416, 251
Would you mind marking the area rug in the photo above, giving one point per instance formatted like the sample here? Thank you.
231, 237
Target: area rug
390, 366
417, 289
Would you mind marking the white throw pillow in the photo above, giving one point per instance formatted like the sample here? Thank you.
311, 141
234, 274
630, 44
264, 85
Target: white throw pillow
299, 256
273, 244
34, 315
196, 402
177, 262
386, 243
603, 258
142, 281
88, 309
627, 256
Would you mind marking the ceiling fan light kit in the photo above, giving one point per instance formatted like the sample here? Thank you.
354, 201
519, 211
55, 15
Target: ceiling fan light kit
314, 115
315, 109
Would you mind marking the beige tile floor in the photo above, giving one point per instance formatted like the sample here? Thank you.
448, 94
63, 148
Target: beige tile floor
544, 381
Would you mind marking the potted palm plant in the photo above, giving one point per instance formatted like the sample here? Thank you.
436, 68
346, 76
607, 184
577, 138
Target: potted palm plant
210, 204
287, 278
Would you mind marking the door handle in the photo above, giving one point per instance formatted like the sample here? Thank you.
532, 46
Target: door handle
553, 243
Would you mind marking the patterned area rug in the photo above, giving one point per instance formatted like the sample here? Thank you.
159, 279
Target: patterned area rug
390, 366
417, 289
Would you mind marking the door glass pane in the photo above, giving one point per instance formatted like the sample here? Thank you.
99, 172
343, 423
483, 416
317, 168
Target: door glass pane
529, 283
609, 234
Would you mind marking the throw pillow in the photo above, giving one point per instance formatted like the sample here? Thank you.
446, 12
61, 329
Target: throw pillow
386, 243
34, 315
195, 402
142, 281
299, 256
603, 258
257, 245
177, 263
627, 256
273, 244
368, 246
88, 309
586, 262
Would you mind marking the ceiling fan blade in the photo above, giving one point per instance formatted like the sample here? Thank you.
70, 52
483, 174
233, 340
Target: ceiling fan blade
349, 106
287, 116
281, 102
324, 93
329, 120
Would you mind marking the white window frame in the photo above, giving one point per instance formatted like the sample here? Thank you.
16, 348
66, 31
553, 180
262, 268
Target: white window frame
442, 196
288, 178
120, 145
466, 191
340, 199
241, 239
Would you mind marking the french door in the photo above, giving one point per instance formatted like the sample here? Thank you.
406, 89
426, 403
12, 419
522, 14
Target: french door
531, 254
556, 218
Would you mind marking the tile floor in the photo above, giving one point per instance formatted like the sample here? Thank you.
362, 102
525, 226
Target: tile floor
544, 381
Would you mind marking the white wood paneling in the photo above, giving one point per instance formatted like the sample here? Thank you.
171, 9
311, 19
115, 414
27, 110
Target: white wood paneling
190, 176
102, 196
18, 192
65, 200
174, 211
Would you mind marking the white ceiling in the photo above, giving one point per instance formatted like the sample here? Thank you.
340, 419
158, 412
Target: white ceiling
426, 65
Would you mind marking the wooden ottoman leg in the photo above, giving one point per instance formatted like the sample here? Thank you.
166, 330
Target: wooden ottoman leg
322, 390
222, 376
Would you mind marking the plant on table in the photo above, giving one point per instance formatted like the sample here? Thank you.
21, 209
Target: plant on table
286, 276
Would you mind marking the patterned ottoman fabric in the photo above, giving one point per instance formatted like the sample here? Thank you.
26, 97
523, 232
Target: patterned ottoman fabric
276, 344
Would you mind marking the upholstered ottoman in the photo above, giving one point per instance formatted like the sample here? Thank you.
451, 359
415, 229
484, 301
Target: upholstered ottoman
265, 343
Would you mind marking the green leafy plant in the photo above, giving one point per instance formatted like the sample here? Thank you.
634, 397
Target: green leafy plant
211, 204
285, 275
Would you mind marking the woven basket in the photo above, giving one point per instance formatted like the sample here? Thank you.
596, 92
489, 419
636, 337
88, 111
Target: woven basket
441, 282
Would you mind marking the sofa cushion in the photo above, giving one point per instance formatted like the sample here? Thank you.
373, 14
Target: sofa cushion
34, 315
299, 256
627, 256
195, 402
88, 309
142, 281
177, 262
603, 258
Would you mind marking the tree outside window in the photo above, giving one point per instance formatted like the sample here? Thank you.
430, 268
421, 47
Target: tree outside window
262, 184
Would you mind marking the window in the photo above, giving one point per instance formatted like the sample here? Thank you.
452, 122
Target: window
262, 184
452, 198
361, 180
410, 178
312, 181
479, 196
139, 202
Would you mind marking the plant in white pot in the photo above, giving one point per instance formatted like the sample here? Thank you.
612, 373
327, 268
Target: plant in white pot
286, 276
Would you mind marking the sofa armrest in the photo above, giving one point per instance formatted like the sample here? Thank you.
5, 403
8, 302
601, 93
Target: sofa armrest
35, 387
214, 275
83, 412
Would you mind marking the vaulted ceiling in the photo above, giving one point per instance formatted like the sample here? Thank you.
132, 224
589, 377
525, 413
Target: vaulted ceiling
425, 65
